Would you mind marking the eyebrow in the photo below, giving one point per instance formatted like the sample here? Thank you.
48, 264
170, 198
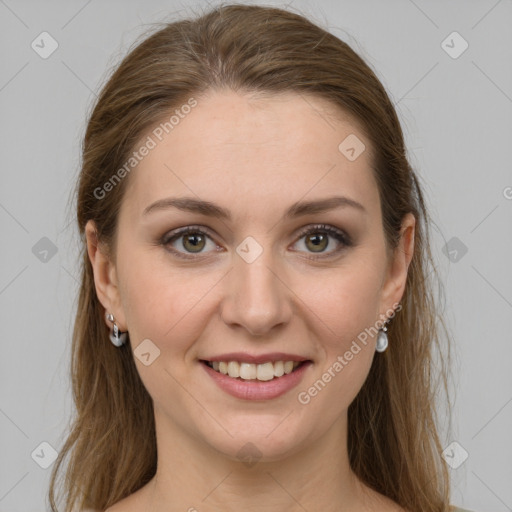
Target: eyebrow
298, 209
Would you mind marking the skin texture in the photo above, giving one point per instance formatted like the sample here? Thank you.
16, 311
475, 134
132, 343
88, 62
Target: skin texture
254, 156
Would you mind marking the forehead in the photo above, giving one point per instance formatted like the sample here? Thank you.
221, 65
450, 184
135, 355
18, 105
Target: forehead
239, 149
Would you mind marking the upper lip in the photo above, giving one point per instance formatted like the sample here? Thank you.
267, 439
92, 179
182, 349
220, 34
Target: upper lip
244, 357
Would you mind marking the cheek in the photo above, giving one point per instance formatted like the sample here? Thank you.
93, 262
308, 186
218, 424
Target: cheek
161, 302
344, 306
346, 301
164, 302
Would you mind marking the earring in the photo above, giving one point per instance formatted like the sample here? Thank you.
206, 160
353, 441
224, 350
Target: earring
117, 337
382, 340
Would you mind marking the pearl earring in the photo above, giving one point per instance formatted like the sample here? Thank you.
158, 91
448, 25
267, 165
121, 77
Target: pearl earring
382, 340
117, 337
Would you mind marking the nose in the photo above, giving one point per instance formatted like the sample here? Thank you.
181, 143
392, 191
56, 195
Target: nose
256, 297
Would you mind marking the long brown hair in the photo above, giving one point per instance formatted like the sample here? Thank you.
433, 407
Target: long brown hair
393, 438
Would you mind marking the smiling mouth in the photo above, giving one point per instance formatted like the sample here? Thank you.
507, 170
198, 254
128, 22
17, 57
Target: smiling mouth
257, 372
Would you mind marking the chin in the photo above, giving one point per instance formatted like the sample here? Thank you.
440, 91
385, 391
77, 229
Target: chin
258, 440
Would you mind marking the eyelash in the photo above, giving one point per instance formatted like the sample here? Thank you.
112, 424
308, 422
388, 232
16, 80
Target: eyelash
339, 235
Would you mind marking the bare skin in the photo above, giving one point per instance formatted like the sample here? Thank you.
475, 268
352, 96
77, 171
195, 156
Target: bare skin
254, 156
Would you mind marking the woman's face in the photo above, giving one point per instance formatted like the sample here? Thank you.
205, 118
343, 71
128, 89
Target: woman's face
249, 286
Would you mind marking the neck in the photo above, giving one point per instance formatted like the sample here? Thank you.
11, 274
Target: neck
195, 477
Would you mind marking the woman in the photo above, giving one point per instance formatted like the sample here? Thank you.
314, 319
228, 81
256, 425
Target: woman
253, 235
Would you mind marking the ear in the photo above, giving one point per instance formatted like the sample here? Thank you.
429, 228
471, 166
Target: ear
105, 276
394, 283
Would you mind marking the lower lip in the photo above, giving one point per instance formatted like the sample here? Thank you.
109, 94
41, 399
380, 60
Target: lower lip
256, 389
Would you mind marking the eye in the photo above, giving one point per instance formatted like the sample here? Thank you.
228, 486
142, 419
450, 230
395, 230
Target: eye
317, 240
193, 239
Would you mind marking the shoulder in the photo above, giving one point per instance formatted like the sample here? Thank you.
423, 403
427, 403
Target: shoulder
131, 503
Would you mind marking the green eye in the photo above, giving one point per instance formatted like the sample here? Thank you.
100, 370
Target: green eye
317, 239
194, 240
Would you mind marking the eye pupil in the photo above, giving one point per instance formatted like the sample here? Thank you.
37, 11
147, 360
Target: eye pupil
318, 242
196, 240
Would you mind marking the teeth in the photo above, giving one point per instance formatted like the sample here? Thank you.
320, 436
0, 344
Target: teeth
233, 369
249, 371
265, 371
279, 368
288, 366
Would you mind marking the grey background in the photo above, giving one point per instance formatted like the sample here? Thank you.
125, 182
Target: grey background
456, 114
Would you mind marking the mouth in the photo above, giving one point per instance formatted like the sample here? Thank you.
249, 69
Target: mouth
258, 378
263, 372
